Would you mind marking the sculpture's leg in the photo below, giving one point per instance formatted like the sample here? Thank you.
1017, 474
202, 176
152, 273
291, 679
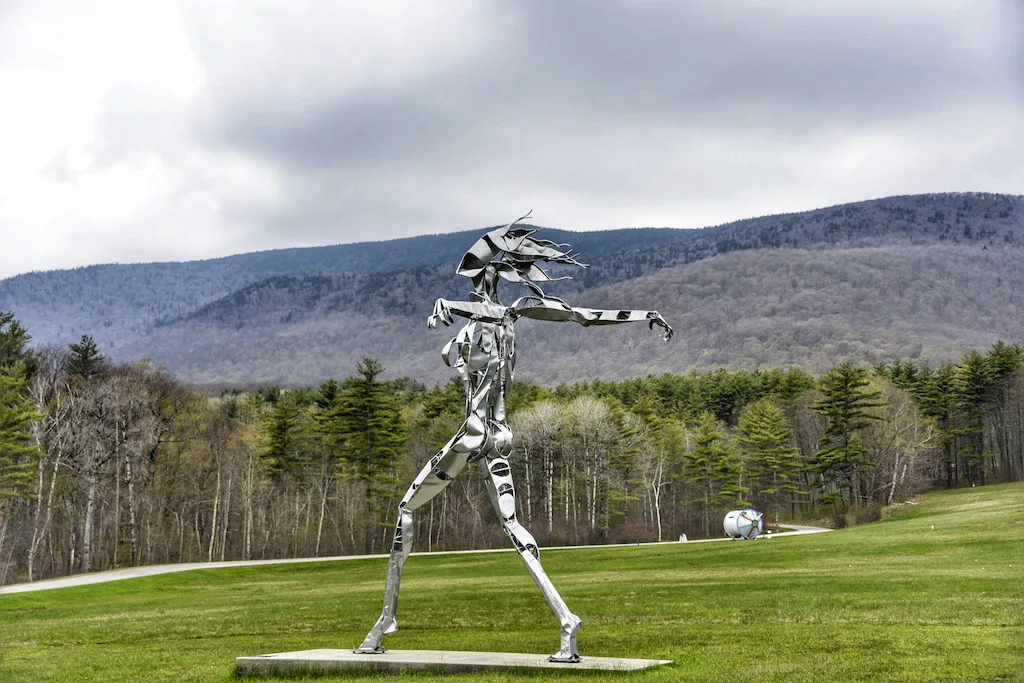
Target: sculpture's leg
498, 477
431, 480
388, 623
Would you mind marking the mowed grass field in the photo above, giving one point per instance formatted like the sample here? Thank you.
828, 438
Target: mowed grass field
895, 600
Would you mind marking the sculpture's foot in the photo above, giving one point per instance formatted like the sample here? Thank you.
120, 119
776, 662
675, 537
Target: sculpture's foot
569, 654
373, 643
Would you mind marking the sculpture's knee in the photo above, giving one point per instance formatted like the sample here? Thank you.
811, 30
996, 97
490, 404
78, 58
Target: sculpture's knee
402, 542
448, 463
501, 437
521, 538
472, 437
506, 503
504, 493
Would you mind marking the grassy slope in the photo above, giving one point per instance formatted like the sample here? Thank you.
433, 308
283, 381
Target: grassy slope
894, 600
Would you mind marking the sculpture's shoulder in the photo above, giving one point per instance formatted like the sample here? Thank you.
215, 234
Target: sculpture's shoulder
475, 345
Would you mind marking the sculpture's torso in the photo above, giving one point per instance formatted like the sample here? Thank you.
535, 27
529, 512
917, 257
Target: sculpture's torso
483, 353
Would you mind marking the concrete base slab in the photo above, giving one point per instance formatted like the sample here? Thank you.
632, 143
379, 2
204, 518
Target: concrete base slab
427, 660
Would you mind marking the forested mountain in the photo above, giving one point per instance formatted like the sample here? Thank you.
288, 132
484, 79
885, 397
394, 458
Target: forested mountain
924, 276
118, 303
745, 310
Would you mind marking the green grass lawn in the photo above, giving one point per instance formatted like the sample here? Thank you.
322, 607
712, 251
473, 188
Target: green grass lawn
894, 600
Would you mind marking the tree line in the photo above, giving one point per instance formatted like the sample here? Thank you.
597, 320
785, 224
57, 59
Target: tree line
106, 465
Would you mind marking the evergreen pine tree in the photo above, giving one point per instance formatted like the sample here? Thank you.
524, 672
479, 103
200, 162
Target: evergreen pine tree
620, 489
18, 453
367, 425
845, 404
937, 397
327, 394
1002, 412
1004, 359
973, 380
713, 466
14, 344
766, 439
86, 360
285, 433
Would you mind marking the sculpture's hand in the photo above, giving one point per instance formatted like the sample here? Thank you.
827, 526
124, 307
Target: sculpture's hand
442, 313
655, 319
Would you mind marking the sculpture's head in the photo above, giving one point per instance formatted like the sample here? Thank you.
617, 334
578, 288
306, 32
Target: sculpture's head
512, 254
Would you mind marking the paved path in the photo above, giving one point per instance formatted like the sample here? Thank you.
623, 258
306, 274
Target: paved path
152, 570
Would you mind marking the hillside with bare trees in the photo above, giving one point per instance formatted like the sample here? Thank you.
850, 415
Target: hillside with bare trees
923, 276
749, 309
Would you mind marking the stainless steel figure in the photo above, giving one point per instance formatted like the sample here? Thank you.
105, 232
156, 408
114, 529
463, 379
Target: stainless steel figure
483, 353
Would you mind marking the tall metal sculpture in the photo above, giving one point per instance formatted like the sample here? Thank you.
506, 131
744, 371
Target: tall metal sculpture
483, 353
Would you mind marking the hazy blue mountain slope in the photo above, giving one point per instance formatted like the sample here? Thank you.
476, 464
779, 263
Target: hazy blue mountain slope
814, 309
120, 304
776, 307
635, 253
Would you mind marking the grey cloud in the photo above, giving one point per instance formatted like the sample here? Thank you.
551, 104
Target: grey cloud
348, 131
775, 66
333, 122
631, 103
133, 123
830, 57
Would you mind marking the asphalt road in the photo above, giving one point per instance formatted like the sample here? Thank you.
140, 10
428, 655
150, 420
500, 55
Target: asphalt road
152, 570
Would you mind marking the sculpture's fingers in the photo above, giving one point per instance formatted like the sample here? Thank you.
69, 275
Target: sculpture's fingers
657, 319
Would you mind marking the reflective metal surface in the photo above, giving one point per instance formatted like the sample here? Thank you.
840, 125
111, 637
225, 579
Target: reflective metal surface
483, 353
746, 524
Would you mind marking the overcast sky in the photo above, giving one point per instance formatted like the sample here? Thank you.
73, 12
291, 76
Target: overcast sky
171, 130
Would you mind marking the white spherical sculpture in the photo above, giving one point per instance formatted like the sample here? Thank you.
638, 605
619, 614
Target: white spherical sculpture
746, 523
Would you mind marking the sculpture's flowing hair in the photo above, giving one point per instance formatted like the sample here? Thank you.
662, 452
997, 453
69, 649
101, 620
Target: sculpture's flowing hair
514, 254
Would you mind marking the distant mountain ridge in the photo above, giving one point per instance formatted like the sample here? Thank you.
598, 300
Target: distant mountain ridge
179, 314
119, 302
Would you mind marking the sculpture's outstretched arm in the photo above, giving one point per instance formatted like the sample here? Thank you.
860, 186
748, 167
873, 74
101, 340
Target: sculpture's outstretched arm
550, 308
477, 310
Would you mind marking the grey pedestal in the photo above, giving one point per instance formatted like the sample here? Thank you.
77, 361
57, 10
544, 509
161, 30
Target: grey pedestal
429, 660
